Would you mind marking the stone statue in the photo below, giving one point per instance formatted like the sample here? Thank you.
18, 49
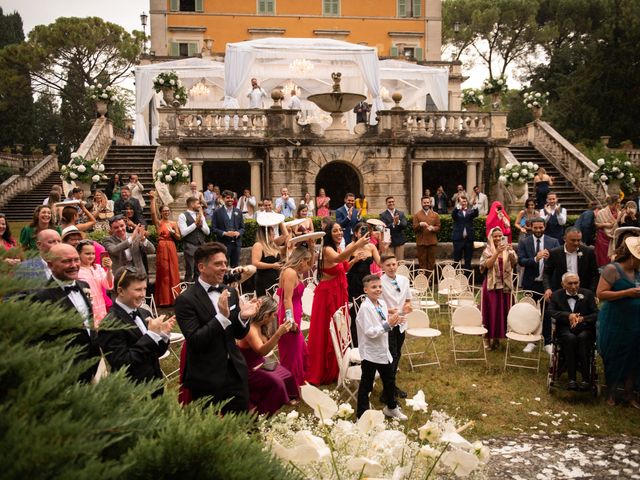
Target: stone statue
336, 76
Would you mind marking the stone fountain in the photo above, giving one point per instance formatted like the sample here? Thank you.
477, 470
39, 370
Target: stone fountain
336, 103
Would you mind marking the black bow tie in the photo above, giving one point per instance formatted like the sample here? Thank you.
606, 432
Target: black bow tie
216, 288
575, 297
71, 288
134, 314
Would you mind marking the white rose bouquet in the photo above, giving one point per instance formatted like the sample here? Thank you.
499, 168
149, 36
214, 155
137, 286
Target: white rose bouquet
494, 85
102, 93
517, 174
80, 169
615, 167
471, 96
536, 99
173, 171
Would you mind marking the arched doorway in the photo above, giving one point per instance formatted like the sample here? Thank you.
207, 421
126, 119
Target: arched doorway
338, 179
234, 176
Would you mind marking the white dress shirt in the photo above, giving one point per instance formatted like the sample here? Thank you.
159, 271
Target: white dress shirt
572, 261
186, 230
255, 97
571, 301
294, 103
286, 207
394, 298
156, 337
373, 326
78, 301
215, 296
561, 215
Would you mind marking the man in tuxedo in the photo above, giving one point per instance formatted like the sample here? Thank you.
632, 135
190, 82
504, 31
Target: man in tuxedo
533, 252
125, 197
210, 318
73, 294
396, 222
129, 250
573, 257
194, 230
462, 234
228, 224
36, 268
142, 340
575, 312
426, 225
347, 216
555, 216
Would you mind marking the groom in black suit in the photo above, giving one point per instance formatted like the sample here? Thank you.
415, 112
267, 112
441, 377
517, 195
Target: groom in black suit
209, 316
228, 224
73, 294
575, 312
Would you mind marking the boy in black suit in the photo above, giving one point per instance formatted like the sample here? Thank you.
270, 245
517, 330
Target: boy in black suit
143, 339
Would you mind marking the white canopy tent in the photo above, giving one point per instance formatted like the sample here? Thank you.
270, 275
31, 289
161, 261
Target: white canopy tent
414, 82
305, 62
191, 71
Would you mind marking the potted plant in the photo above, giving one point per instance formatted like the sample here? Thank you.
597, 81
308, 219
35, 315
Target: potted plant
616, 171
472, 99
171, 87
102, 95
83, 172
495, 87
174, 173
517, 176
536, 101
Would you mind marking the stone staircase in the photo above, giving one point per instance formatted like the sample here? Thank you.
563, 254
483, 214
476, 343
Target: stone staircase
569, 198
22, 206
126, 160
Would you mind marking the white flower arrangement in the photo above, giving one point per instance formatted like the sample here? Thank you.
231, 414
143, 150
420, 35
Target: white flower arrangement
471, 96
517, 174
80, 169
102, 93
317, 446
615, 167
536, 99
494, 85
173, 171
170, 81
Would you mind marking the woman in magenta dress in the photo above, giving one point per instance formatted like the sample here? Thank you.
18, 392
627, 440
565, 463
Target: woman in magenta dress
497, 262
268, 389
330, 294
292, 349
497, 217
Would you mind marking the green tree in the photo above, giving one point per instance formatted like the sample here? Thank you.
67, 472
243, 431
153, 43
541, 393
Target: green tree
46, 121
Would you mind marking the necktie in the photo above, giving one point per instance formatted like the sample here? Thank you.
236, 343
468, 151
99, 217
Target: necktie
71, 288
394, 282
537, 245
379, 310
216, 288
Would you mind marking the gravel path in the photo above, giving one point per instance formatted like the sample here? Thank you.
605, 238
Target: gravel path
547, 457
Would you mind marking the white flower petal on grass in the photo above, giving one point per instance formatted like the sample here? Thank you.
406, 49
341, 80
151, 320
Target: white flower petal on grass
369, 420
345, 410
454, 438
428, 451
481, 451
365, 465
418, 402
429, 432
324, 407
460, 462
535, 414
388, 440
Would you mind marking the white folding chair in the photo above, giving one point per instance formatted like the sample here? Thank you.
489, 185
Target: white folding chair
343, 331
524, 325
271, 291
467, 321
175, 344
176, 290
404, 271
307, 306
149, 304
349, 375
357, 302
422, 293
418, 326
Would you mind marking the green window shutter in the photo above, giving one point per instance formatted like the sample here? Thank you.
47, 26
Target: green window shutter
336, 7
271, 6
394, 51
261, 6
402, 8
326, 7
174, 49
199, 6
193, 49
417, 8
418, 53
175, 5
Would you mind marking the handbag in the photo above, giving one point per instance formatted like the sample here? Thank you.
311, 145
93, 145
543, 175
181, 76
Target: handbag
270, 364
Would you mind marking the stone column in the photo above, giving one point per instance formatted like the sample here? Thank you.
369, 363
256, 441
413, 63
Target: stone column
416, 186
196, 173
256, 191
471, 175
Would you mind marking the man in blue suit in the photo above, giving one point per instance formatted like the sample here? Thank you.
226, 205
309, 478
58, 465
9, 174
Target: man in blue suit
533, 251
462, 234
347, 216
228, 225
36, 268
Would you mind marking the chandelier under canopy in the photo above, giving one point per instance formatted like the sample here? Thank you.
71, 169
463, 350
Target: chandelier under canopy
301, 65
200, 89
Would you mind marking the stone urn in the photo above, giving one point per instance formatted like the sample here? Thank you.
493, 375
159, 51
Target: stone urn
52, 148
277, 95
397, 98
472, 107
537, 112
85, 186
101, 108
518, 189
167, 94
496, 100
614, 187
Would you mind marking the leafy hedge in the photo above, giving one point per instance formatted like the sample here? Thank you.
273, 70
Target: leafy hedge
446, 225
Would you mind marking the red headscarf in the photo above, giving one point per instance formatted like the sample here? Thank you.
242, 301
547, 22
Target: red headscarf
493, 220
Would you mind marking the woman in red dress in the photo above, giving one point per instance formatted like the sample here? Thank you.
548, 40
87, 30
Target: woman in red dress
167, 268
499, 218
330, 294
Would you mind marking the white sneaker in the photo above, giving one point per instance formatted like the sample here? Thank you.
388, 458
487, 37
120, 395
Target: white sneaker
549, 349
529, 348
394, 413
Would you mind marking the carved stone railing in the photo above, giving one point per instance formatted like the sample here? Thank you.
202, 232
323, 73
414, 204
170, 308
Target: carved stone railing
122, 136
20, 162
633, 154
518, 137
98, 140
419, 123
570, 161
17, 184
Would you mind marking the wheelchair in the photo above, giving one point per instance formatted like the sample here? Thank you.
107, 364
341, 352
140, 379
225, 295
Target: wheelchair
557, 366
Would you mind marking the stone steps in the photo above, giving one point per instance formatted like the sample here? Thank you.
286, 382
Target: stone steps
22, 206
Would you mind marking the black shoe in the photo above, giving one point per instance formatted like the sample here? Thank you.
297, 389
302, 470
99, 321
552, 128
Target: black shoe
584, 386
401, 393
573, 385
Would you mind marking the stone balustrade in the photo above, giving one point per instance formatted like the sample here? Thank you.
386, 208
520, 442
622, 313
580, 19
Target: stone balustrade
20, 162
187, 122
519, 136
98, 140
17, 184
633, 154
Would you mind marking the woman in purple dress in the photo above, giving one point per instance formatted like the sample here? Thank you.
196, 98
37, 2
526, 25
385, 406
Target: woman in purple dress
292, 347
270, 385
497, 263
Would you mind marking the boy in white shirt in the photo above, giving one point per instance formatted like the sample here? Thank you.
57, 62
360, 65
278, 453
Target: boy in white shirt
374, 323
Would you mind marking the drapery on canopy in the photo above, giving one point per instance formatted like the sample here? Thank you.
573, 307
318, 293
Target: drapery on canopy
272, 59
190, 71
415, 82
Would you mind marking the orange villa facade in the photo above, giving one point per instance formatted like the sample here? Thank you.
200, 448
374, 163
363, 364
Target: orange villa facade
396, 28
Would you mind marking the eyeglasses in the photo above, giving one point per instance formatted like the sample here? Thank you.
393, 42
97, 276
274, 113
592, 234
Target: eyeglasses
127, 269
